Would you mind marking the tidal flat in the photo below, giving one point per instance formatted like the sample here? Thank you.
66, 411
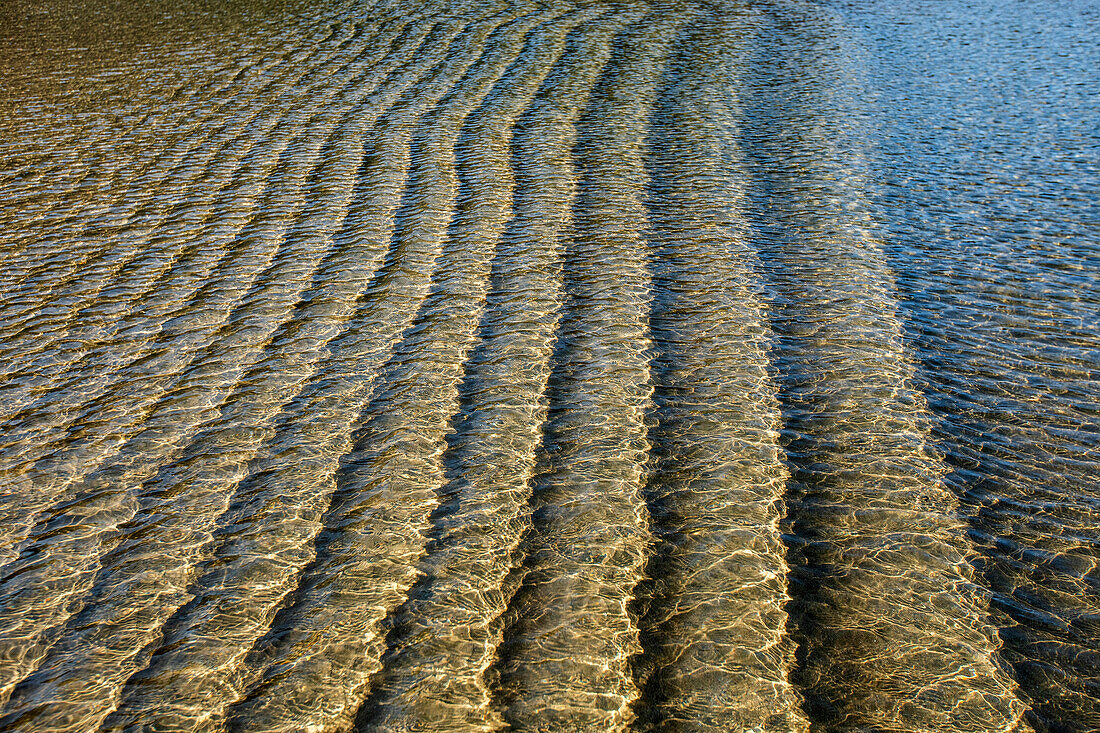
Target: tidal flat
550, 366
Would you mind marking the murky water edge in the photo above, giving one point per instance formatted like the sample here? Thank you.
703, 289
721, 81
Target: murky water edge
549, 366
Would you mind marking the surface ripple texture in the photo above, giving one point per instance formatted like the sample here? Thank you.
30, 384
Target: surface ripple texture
555, 366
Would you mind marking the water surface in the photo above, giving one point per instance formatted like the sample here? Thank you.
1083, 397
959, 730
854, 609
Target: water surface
549, 366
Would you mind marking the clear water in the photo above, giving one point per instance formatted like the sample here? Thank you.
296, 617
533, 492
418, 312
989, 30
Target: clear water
548, 366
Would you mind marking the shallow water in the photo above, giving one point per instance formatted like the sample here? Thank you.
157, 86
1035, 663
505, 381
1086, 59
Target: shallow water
549, 366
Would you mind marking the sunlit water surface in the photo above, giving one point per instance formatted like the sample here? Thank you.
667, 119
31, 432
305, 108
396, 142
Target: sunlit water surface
550, 366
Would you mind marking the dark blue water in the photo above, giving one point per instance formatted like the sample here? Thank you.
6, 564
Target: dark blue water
986, 120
